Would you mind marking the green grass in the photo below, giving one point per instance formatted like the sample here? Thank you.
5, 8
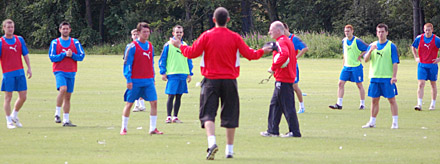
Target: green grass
97, 107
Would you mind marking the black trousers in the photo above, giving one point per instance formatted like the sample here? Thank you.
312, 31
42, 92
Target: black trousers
283, 102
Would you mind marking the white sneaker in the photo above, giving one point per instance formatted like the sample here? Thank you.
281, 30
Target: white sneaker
369, 125
418, 108
10, 125
394, 126
142, 109
137, 109
17, 122
432, 108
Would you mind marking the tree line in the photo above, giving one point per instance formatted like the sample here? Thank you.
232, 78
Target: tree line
96, 22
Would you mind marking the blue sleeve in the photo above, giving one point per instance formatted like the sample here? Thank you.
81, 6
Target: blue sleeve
362, 46
394, 54
416, 42
152, 64
298, 43
53, 52
128, 61
190, 65
80, 55
0, 48
437, 41
24, 48
163, 60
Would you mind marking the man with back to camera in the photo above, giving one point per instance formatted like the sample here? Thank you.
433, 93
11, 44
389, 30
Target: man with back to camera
284, 70
65, 52
425, 50
220, 67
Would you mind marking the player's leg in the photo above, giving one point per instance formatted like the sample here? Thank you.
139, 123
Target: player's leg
288, 108
230, 112
61, 84
18, 104
422, 76
433, 94
125, 117
298, 93
149, 94
7, 108
394, 112
374, 91
275, 113
129, 97
362, 95
169, 107
420, 93
176, 108
66, 102
209, 102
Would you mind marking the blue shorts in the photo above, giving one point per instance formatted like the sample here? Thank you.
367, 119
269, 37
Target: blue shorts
297, 75
17, 83
385, 89
65, 81
176, 86
148, 93
353, 74
427, 72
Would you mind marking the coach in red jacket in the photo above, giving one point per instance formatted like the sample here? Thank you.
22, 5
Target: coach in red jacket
284, 70
220, 49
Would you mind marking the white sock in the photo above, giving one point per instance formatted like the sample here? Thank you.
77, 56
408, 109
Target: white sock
301, 105
419, 102
8, 119
395, 119
141, 103
433, 103
57, 111
124, 122
363, 102
339, 101
372, 120
66, 117
152, 123
14, 114
229, 149
211, 141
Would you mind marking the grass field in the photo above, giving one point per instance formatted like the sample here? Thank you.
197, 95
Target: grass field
328, 136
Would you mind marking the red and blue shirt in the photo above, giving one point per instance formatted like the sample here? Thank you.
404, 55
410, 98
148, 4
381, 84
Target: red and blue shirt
427, 49
57, 54
11, 50
138, 62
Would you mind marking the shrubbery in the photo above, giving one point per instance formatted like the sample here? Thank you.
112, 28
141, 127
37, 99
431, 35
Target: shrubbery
321, 45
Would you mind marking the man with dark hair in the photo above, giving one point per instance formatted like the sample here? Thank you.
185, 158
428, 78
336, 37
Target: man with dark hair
425, 50
12, 48
353, 49
220, 66
284, 70
383, 74
65, 52
139, 72
302, 48
176, 69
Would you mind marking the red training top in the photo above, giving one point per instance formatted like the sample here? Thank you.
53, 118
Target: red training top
427, 51
11, 56
143, 62
220, 49
286, 51
67, 64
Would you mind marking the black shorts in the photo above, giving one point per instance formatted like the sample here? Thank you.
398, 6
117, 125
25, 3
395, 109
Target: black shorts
227, 91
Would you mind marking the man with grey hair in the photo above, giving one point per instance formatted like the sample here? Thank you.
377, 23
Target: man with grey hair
284, 70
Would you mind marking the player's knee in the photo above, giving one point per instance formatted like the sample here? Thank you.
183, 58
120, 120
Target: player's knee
63, 89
